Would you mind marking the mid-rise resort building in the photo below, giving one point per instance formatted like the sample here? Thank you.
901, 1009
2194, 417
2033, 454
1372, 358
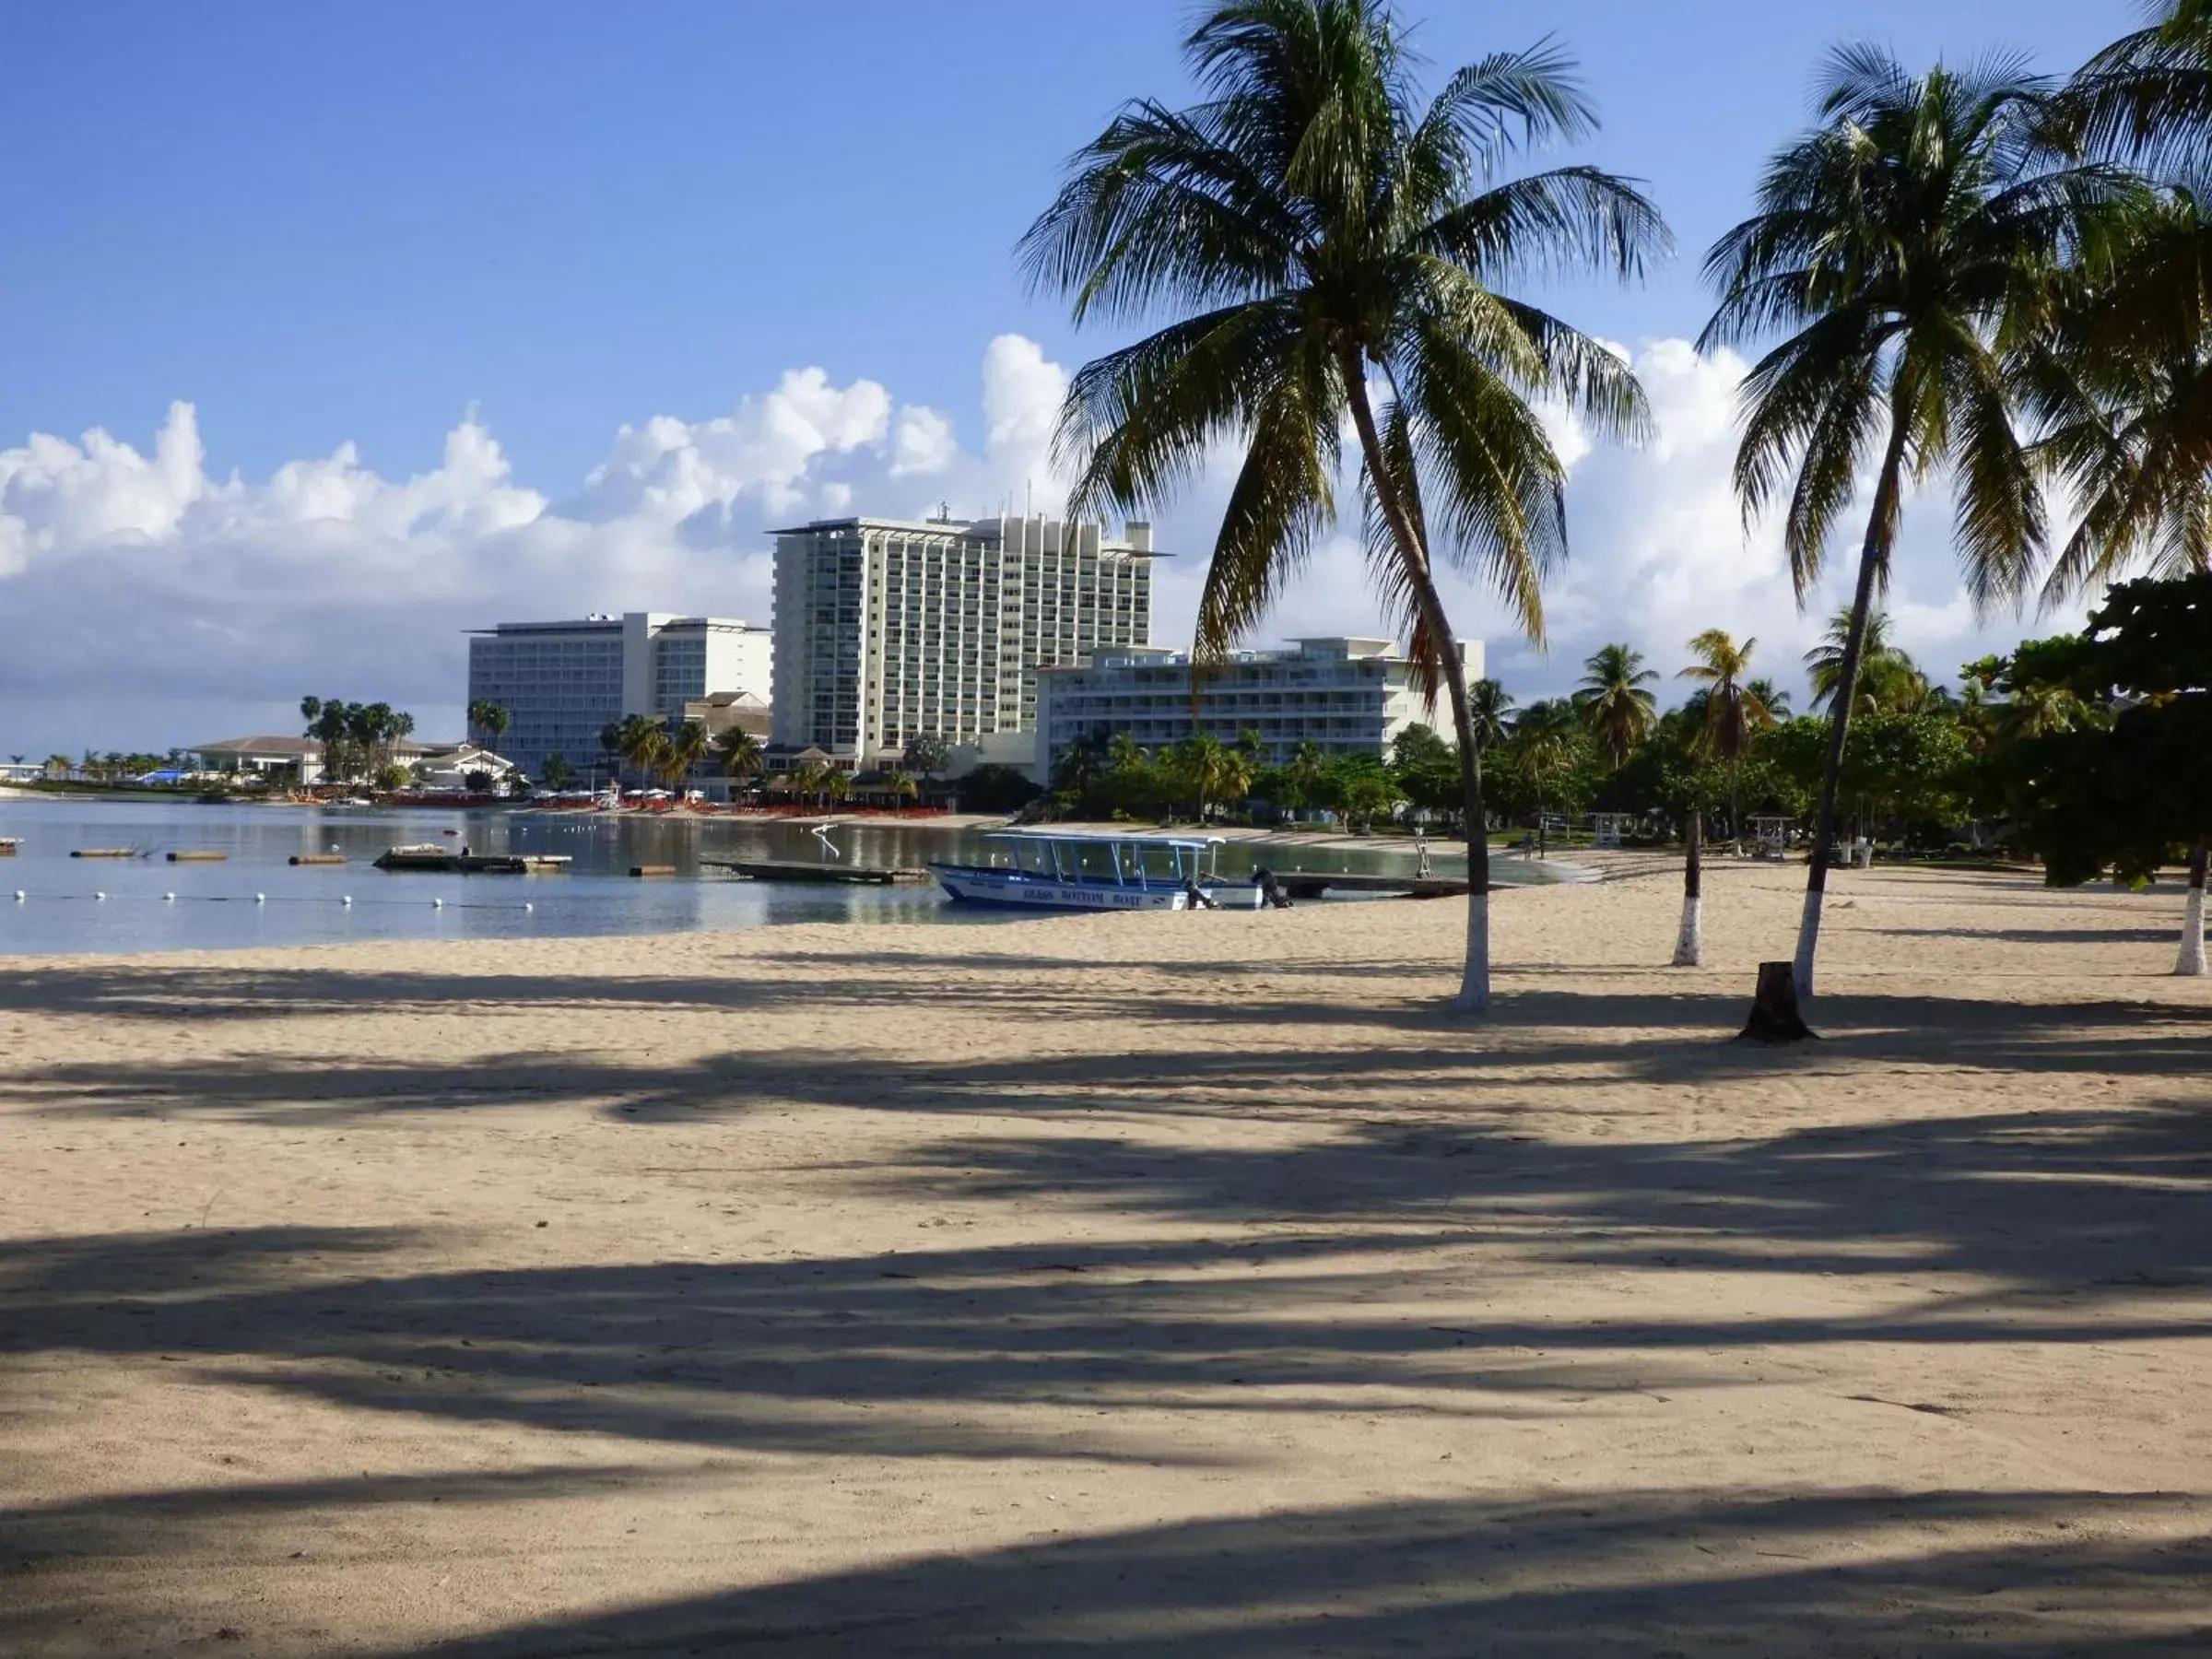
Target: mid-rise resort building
886, 628
561, 682
1345, 695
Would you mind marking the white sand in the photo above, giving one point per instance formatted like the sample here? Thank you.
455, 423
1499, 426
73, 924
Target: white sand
1172, 1285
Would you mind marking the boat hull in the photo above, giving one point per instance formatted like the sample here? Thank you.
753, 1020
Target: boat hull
1021, 889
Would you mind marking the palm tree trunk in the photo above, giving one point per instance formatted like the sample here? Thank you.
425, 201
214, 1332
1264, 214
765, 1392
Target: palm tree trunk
1474, 973
1880, 524
1690, 943
2192, 959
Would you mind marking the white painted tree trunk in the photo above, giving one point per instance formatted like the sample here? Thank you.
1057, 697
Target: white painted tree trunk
1474, 978
2191, 961
1690, 944
1808, 943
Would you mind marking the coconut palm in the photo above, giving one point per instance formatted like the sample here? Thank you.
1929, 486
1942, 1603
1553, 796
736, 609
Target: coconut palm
1336, 251
1541, 747
2123, 388
1901, 244
739, 754
1489, 712
1615, 710
490, 720
807, 779
1734, 708
2148, 97
1767, 696
642, 742
836, 785
687, 744
1889, 681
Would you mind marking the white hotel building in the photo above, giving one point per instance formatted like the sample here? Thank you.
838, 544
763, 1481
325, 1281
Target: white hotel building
1346, 696
561, 682
886, 628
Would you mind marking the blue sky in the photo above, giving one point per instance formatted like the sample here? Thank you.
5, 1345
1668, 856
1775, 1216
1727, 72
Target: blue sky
323, 226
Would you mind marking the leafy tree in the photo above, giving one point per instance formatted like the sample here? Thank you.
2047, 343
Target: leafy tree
1547, 742
995, 788
1317, 231
392, 776
1895, 244
2127, 794
928, 753
558, 773
1615, 710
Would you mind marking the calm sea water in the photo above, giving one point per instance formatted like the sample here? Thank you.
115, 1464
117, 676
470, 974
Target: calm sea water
215, 905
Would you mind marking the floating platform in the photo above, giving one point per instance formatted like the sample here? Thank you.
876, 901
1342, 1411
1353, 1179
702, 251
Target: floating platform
783, 869
652, 869
1312, 884
104, 852
316, 858
443, 861
8, 848
197, 855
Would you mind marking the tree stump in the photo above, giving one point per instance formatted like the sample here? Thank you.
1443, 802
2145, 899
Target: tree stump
1774, 1014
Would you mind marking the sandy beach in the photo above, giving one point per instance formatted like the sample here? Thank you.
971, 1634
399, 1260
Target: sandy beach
1164, 1285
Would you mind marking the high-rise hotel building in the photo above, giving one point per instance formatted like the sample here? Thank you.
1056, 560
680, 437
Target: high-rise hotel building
561, 682
884, 629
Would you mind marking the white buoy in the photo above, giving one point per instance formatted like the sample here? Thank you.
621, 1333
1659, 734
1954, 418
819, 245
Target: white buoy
436, 904
529, 906
261, 898
347, 900
168, 898
19, 895
98, 895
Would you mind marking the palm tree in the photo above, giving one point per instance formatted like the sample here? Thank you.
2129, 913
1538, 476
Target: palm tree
642, 742
2148, 97
1489, 712
739, 752
687, 746
2125, 390
1734, 709
807, 779
1900, 243
836, 785
1889, 681
1614, 707
490, 720
1766, 695
1542, 746
1317, 231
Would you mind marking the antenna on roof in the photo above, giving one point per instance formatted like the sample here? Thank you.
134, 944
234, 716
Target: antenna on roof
1027, 504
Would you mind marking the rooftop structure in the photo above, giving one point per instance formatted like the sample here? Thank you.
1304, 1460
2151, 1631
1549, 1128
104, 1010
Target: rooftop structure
1346, 696
886, 629
562, 682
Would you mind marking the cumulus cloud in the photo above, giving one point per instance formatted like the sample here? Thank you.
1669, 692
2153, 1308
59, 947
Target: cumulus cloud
147, 603
1659, 553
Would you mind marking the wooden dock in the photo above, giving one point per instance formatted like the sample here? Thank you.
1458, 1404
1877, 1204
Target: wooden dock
470, 864
198, 855
1313, 884
104, 852
316, 858
788, 869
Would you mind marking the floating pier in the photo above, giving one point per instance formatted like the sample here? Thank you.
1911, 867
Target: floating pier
437, 860
8, 848
784, 869
104, 852
316, 858
652, 869
197, 855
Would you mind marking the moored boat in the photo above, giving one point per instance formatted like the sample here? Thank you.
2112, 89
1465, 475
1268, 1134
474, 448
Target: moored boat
1099, 871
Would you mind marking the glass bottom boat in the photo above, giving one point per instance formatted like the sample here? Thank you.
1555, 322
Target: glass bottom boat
1098, 871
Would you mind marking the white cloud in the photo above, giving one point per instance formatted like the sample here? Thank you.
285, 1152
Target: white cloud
146, 603
1659, 553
